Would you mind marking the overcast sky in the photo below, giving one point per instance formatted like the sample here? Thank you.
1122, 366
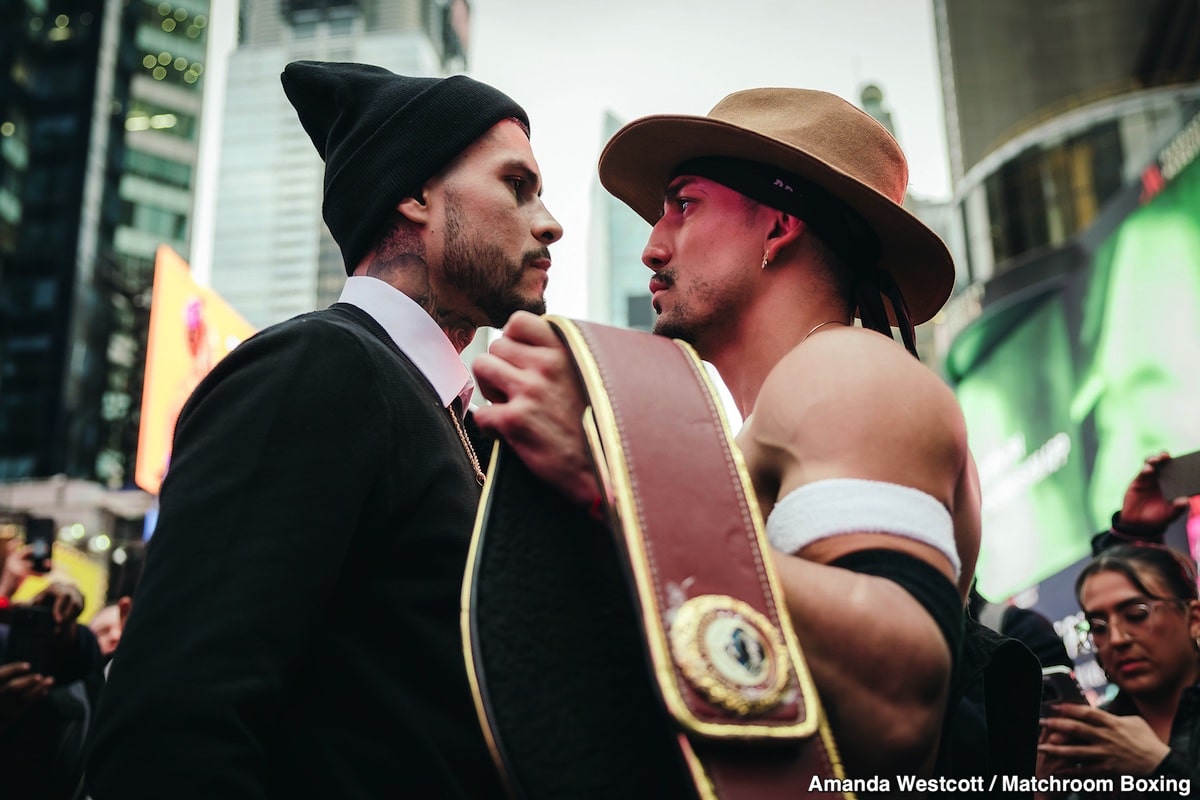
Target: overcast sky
568, 61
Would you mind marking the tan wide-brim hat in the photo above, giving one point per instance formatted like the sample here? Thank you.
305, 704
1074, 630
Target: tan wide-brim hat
813, 134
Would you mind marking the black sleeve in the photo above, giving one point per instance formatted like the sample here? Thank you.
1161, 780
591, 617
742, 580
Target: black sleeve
272, 458
1176, 770
1123, 532
81, 661
1037, 633
936, 593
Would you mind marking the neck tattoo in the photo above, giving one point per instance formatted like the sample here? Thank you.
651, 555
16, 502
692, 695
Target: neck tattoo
457, 326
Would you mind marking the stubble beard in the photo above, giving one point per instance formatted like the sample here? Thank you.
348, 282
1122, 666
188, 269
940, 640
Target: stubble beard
482, 273
674, 323
675, 329
700, 313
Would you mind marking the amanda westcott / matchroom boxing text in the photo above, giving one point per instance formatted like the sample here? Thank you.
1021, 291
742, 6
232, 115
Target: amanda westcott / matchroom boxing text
1000, 784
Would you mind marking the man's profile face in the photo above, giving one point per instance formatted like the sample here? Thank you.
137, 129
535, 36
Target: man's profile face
496, 231
703, 251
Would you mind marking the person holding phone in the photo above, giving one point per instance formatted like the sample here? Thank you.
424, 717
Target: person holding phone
1146, 509
1142, 619
50, 678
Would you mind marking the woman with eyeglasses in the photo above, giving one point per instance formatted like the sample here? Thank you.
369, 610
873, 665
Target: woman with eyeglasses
1142, 618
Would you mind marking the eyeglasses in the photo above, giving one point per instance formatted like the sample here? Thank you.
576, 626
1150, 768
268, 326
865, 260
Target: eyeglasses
1134, 618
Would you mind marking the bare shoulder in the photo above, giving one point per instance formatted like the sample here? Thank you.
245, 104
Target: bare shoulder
852, 403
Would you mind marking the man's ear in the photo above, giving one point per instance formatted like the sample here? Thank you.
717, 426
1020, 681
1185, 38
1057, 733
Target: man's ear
786, 230
415, 208
124, 603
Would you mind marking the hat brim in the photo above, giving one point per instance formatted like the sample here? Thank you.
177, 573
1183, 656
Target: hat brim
640, 159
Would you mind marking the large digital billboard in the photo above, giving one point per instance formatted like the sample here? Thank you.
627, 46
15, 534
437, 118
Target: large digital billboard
191, 329
1069, 388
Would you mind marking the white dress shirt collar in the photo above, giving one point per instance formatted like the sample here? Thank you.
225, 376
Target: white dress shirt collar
414, 332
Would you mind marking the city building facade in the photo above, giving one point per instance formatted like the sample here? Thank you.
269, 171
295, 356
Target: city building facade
1073, 133
100, 109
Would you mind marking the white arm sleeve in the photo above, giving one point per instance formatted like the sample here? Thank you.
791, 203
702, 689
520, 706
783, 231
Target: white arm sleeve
835, 506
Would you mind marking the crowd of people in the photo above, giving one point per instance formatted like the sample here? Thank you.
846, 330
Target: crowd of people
296, 630
51, 674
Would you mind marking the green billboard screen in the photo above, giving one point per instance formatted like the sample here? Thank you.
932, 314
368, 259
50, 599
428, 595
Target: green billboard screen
1068, 390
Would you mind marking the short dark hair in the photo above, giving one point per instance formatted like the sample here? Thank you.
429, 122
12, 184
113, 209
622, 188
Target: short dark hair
841, 275
1174, 569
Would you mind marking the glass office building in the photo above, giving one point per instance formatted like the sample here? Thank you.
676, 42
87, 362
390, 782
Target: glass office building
99, 108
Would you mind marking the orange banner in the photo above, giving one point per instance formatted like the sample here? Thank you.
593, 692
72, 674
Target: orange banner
191, 329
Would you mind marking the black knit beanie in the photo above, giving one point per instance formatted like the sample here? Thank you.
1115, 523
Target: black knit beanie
382, 135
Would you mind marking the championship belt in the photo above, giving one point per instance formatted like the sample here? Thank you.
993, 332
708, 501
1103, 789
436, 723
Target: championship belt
652, 656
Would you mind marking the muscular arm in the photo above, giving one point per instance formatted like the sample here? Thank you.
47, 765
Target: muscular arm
856, 406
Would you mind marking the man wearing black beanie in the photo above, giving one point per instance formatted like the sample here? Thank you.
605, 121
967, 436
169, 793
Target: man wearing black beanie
296, 629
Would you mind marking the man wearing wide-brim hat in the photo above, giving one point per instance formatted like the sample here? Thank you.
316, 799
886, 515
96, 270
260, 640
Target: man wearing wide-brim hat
777, 220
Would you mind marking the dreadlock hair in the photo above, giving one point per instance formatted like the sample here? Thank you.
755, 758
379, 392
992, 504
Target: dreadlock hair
864, 290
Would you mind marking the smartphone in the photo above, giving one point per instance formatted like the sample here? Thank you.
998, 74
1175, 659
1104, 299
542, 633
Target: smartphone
31, 637
1180, 476
1059, 686
39, 535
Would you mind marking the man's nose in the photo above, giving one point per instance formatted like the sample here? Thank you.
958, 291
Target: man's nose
546, 228
655, 254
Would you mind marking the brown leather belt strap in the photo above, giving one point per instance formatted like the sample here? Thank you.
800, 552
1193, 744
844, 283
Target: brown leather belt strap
722, 649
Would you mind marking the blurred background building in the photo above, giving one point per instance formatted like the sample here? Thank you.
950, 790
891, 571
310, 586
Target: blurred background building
1073, 340
618, 281
100, 106
100, 113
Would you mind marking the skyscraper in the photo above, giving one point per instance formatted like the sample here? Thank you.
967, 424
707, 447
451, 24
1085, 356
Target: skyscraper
100, 104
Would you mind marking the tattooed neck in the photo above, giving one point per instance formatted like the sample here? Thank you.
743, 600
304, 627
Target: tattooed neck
408, 273
457, 327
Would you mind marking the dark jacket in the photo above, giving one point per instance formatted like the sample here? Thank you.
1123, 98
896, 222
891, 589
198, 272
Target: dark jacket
41, 755
296, 630
1182, 764
991, 722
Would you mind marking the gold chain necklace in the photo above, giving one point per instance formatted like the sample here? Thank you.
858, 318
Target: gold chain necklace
822, 325
466, 443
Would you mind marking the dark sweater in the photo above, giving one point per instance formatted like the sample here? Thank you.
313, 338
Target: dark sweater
296, 630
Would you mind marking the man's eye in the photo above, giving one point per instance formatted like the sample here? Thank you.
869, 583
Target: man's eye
516, 184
